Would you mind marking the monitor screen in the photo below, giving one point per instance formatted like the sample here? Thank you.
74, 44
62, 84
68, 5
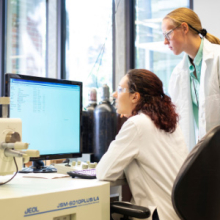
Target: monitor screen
50, 110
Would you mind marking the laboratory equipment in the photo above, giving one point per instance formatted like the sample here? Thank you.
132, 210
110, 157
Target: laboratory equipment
88, 122
50, 110
13, 152
55, 199
105, 125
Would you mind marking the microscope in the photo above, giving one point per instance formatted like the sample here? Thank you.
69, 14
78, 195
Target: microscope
13, 152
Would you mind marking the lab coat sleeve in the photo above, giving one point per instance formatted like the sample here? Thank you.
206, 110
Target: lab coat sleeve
120, 153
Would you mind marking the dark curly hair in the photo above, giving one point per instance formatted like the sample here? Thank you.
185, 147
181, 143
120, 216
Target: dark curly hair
153, 101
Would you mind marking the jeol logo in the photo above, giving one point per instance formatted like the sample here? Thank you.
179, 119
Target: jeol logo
31, 210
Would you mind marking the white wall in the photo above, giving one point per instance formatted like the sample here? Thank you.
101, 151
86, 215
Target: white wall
209, 14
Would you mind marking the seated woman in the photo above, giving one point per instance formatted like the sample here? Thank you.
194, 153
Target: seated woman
150, 147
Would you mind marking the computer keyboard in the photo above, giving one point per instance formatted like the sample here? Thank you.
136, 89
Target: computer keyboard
84, 174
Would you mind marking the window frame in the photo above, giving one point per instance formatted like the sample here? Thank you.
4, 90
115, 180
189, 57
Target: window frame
61, 39
3, 14
130, 34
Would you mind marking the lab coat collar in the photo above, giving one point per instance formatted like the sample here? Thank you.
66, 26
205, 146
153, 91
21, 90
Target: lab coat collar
207, 50
207, 54
185, 63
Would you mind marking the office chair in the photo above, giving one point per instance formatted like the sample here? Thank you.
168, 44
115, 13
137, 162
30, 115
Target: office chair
196, 189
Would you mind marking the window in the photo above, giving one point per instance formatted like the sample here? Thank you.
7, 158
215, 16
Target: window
26, 37
150, 51
35, 28
89, 43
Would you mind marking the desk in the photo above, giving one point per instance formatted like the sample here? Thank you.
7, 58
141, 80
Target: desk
48, 199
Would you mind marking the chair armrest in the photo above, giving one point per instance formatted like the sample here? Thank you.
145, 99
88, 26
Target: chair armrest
126, 208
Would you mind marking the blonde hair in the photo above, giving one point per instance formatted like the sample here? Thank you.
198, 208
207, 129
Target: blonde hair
187, 15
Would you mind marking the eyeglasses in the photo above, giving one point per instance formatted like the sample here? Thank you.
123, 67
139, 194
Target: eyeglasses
167, 34
121, 89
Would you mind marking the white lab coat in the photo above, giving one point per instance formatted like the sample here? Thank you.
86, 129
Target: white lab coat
209, 94
151, 159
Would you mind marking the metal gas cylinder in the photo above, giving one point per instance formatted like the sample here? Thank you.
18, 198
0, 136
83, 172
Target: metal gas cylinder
88, 122
105, 125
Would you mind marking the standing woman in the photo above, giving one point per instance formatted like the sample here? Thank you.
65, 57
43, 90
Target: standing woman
194, 83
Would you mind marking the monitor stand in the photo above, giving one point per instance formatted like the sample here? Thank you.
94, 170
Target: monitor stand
38, 167
67, 161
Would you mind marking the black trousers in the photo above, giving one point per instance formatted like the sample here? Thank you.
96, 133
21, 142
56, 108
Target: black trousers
155, 215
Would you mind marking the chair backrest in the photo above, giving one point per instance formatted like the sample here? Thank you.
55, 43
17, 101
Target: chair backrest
196, 190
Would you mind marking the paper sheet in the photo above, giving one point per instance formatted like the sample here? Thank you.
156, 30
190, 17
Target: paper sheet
45, 175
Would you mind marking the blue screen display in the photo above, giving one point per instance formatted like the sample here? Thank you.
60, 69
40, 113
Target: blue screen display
50, 114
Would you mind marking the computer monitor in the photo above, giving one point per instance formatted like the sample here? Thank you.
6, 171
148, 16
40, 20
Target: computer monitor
50, 110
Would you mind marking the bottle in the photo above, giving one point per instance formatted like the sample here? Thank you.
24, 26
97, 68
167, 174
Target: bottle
88, 121
105, 125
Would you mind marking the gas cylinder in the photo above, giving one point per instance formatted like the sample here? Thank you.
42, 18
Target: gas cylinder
105, 125
88, 122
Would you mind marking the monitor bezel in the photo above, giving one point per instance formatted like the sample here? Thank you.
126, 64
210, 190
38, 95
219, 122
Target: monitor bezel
9, 76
